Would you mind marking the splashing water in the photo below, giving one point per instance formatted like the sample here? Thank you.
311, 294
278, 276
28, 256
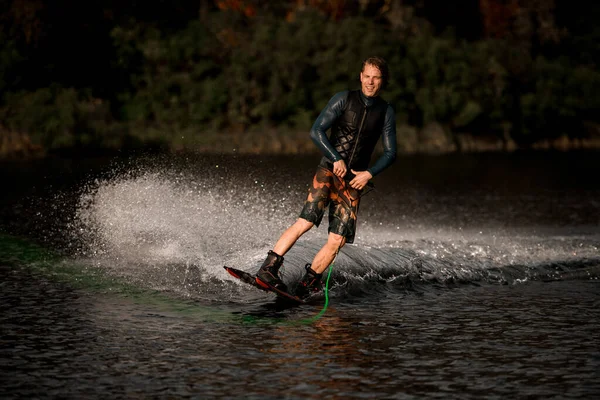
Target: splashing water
164, 226
174, 230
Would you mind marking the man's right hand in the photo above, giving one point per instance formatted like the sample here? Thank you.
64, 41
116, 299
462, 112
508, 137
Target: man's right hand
339, 168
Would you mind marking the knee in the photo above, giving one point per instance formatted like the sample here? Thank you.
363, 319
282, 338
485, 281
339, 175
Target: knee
336, 240
303, 225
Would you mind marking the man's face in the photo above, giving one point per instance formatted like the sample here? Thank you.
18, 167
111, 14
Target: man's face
370, 80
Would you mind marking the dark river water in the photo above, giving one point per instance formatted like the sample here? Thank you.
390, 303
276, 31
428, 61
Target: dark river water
470, 277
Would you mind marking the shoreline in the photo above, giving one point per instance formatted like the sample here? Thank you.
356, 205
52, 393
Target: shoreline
14, 147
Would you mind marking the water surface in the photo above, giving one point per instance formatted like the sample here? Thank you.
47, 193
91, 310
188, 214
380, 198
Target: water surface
471, 277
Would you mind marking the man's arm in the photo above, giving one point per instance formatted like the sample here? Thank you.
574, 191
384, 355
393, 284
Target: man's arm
388, 139
330, 113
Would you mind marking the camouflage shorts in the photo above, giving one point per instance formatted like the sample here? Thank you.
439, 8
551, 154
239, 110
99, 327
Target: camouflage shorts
329, 190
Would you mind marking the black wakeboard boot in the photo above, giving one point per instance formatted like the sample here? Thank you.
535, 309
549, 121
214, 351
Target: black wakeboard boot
269, 271
310, 283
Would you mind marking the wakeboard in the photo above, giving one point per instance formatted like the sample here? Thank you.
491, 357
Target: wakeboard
257, 283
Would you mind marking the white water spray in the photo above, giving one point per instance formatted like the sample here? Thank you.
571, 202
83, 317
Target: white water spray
168, 229
158, 219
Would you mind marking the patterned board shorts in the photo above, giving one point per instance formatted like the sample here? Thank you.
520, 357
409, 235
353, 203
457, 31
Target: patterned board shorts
329, 190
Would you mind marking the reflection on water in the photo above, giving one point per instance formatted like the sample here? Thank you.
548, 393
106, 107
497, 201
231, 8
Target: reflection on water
536, 340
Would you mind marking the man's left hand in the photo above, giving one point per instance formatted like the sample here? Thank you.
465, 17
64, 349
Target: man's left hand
360, 180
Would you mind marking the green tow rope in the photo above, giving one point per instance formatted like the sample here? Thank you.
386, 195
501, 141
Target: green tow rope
326, 291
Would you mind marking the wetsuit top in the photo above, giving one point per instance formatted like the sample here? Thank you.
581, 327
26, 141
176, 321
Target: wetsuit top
357, 122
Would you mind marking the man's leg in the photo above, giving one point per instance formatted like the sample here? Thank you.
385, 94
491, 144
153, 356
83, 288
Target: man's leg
325, 256
291, 235
342, 225
311, 282
311, 215
269, 270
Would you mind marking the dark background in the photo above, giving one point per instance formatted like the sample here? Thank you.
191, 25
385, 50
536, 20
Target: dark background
252, 75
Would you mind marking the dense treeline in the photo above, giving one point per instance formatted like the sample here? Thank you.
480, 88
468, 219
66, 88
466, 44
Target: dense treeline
231, 74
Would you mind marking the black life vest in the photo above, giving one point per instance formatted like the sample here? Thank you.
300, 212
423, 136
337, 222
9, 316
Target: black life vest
356, 132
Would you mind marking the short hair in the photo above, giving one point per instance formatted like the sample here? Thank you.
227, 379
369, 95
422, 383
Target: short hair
381, 65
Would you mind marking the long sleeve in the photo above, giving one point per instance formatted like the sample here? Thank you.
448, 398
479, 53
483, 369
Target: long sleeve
324, 121
388, 139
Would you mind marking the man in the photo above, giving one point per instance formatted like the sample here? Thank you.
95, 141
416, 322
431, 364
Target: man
357, 120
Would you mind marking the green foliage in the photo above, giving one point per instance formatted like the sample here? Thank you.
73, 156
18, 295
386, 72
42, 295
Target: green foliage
10, 59
213, 76
47, 114
559, 102
58, 117
229, 73
178, 86
447, 82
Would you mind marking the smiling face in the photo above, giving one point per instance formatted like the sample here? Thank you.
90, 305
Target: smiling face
370, 80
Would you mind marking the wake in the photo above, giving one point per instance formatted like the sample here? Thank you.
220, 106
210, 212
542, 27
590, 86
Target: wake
173, 231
